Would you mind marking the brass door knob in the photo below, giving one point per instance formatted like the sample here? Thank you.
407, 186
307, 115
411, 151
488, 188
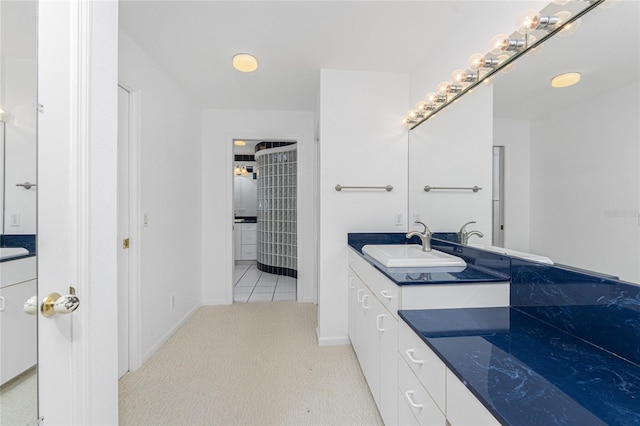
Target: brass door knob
54, 303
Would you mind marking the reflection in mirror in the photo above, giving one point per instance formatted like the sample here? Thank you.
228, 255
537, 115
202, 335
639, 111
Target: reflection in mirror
571, 155
18, 300
569, 183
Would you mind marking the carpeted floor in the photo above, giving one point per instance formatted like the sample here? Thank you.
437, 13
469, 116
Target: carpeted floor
248, 364
19, 399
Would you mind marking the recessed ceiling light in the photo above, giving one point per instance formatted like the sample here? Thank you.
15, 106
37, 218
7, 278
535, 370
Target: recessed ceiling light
239, 143
565, 80
245, 63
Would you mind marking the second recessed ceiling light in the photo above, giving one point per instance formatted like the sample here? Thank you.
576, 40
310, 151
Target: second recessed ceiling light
245, 63
565, 80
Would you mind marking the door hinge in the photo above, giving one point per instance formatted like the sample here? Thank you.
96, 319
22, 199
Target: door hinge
125, 243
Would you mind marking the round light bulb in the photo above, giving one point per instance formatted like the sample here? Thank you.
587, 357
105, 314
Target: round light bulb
499, 44
511, 65
461, 76
443, 88
476, 61
488, 81
528, 21
413, 114
421, 106
570, 28
431, 97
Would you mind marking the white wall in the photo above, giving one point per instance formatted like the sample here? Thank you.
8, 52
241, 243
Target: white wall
362, 142
219, 128
171, 190
514, 135
454, 149
585, 183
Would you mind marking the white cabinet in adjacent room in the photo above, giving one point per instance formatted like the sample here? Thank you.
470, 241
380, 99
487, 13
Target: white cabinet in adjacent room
245, 240
19, 330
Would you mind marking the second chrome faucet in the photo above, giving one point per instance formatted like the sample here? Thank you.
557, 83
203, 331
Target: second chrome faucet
463, 234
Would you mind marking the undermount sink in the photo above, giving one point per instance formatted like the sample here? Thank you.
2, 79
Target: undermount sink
11, 252
412, 256
521, 254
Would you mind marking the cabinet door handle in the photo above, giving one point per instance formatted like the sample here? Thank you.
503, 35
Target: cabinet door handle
358, 295
1, 303
351, 282
409, 353
409, 395
386, 294
378, 322
364, 299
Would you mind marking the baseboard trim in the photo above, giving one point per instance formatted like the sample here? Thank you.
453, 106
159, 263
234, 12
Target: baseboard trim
212, 302
170, 333
332, 341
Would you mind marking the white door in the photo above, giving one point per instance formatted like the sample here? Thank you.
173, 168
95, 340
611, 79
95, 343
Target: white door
123, 231
77, 80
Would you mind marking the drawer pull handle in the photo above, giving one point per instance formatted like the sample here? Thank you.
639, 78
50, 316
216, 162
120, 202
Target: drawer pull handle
409, 396
409, 353
386, 294
378, 322
351, 282
358, 295
364, 300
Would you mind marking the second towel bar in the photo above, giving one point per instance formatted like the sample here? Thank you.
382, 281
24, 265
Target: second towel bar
428, 188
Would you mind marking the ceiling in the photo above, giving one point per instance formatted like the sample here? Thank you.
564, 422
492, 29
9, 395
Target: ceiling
194, 41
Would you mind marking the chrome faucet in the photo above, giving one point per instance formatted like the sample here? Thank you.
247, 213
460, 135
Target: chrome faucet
463, 235
425, 237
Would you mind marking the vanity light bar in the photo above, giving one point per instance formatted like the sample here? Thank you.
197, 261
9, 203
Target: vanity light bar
482, 67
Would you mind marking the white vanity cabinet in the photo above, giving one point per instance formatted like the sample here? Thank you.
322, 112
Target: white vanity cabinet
379, 340
245, 241
18, 330
373, 330
429, 393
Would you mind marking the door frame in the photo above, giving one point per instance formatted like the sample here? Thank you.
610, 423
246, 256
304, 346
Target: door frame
135, 232
230, 202
77, 134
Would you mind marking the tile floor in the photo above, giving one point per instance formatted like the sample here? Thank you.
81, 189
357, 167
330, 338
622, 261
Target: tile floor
252, 285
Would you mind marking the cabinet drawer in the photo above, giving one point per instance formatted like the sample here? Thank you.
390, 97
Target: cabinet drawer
425, 364
420, 403
248, 237
249, 227
17, 271
249, 252
463, 408
383, 288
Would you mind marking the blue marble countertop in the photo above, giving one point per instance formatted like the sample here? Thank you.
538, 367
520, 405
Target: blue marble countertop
420, 276
527, 372
27, 241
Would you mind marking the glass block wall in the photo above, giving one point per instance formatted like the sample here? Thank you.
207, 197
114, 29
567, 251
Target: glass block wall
277, 210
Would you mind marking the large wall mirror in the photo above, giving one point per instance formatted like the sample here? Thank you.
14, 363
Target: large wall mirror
565, 163
18, 186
